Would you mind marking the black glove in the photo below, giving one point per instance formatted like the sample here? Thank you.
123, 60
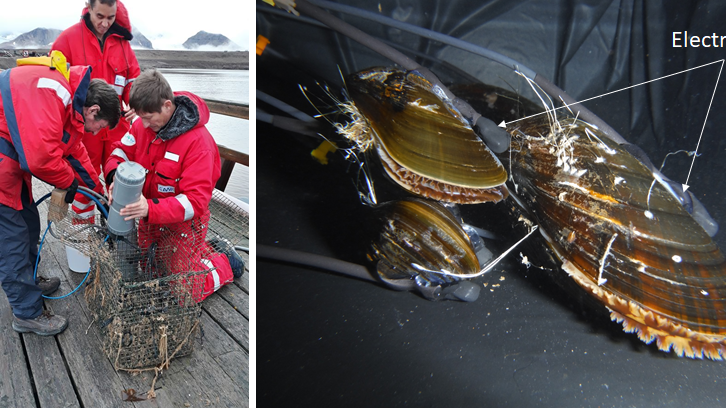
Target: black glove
109, 177
71, 192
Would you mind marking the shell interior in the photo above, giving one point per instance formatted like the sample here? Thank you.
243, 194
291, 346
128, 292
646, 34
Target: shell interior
425, 145
421, 239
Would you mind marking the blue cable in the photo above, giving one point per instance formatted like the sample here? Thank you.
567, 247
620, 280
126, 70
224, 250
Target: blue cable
42, 240
98, 203
85, 193
42, 199
37, 259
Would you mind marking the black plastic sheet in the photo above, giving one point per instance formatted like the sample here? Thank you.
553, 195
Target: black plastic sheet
531, 341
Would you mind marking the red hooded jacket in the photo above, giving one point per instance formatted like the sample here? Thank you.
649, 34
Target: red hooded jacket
183, 166
182, 161
116, 63
41, 126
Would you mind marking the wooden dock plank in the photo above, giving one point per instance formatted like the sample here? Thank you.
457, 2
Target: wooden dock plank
232, 320
218, 384
235, 364
15, 387
178, 385
197, 370
216, 340
50, 374
237, 298
244, 282
233, 360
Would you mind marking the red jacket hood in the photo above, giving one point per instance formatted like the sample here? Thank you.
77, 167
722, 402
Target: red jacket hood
79, 78
122, 16
191, 112
201, 106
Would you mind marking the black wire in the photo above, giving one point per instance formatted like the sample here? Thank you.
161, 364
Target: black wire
409, 64
318, 261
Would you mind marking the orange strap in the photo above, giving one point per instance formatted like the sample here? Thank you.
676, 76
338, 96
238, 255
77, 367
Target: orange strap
262, 42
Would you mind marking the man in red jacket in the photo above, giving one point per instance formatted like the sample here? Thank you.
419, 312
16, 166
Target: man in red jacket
44, 111
101, 40
170, 140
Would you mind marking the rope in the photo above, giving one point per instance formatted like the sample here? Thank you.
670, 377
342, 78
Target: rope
164, 364
163, 348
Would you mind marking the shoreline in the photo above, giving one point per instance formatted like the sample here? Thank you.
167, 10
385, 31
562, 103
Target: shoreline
238, 60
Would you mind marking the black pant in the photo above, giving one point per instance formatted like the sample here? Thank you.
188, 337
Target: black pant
19, 233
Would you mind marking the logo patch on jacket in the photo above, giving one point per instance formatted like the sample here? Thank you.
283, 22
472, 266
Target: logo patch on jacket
166, 189
128, 139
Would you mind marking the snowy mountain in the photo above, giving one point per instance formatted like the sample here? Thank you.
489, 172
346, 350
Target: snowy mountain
209, 41
140, 41
44, 37
38, 38
202, 41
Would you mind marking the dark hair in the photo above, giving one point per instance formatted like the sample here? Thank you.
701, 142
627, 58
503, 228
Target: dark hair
102, 94
110, 3
149, 91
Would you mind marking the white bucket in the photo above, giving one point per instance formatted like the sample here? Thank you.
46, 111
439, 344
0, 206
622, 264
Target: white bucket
77, 262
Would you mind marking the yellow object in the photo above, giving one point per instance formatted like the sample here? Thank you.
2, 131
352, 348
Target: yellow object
262, 42
56, 61
288, 5
321, 152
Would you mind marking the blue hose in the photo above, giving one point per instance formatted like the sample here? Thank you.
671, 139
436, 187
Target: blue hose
42, 199
42, 240
85, 193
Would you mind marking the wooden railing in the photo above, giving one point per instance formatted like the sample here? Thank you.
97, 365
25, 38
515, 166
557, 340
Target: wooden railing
229, 156
237, 110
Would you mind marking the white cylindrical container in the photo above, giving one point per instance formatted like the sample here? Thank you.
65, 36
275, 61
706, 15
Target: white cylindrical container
128, 182
77, 262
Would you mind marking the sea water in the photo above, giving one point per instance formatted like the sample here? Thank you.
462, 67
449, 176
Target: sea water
224, 85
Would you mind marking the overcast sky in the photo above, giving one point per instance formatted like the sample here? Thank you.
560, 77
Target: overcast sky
167, 23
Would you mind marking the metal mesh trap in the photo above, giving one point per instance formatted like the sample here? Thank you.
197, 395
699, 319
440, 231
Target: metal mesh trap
143, 292
144, 288
228, 220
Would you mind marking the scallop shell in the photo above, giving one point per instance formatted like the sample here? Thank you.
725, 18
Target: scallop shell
425, 145
624, 239
422, 240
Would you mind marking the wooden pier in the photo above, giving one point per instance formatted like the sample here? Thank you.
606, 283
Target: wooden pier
71, 369
229, 157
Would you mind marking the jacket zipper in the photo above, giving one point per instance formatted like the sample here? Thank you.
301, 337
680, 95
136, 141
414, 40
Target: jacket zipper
148, 148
